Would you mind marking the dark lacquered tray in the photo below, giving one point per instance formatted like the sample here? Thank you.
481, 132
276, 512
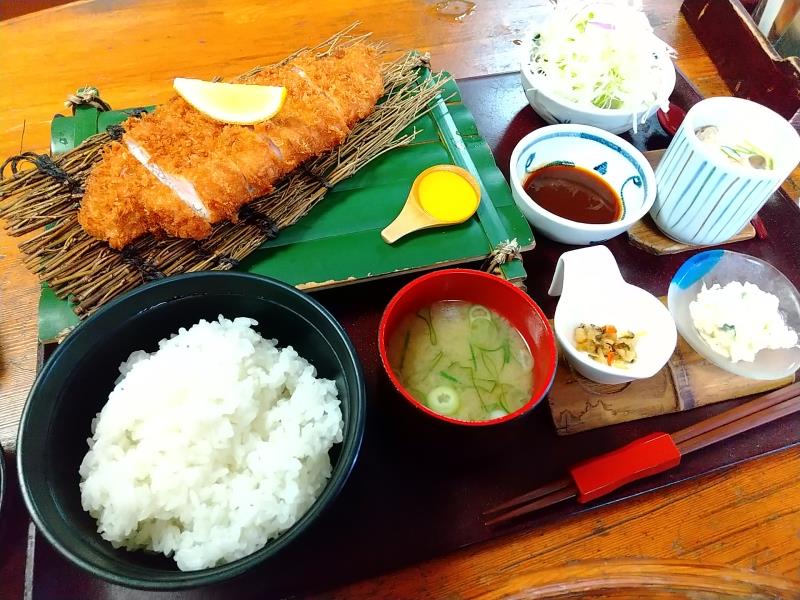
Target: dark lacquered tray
418, 488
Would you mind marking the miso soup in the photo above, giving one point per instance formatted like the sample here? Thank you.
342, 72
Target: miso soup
462, 360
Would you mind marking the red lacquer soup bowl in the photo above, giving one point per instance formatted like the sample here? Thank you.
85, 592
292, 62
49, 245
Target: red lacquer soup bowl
492, 292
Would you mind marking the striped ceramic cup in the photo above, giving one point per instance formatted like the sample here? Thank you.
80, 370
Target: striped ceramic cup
701, 196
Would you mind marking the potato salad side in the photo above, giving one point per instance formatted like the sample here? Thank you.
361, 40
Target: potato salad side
739, 319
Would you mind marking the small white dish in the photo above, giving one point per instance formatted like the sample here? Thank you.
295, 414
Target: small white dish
722, 267
593, 291
620, 164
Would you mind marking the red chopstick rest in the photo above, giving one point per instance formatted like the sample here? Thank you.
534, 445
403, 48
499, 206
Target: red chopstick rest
646, 456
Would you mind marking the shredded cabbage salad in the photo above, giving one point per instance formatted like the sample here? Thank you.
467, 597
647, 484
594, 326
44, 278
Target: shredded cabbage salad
602, 54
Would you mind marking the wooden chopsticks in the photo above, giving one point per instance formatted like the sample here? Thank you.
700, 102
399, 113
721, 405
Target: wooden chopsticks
537, 499
744, 417
648, 455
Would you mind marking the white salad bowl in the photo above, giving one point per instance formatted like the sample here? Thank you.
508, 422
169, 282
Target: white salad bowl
593, 291
621, 165
614, 120
722, 267
545, 100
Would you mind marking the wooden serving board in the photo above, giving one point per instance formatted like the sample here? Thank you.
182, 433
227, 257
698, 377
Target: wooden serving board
687, 381
338, 242
646, 235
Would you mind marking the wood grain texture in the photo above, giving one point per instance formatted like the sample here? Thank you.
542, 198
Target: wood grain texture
757, 72
746, 518
629, 579
646, 235
578, 404
19, 299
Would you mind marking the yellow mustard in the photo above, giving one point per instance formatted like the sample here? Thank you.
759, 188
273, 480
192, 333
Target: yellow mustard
447, 196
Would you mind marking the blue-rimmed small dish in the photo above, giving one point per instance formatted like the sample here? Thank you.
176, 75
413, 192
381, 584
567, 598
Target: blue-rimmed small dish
614, 160
722, 267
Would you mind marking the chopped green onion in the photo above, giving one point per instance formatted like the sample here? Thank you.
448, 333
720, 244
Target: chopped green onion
506, 351
487, 385
435, 362
405, 349
479, 313
447, 375
491, 368
444, 400
429, 322
497, 413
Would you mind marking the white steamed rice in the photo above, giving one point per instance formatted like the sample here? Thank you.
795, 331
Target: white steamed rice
210, 446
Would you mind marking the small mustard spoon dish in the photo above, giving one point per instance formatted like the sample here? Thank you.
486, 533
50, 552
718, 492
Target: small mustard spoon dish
441, 195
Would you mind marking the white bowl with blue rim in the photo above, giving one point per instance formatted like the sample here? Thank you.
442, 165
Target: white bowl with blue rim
621, 165
722, 267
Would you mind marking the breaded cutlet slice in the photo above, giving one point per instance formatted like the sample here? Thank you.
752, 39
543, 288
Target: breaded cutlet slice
190, 171
127, 202
351, 79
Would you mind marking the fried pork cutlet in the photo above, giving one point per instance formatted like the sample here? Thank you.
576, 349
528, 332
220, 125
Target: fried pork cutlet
176, 172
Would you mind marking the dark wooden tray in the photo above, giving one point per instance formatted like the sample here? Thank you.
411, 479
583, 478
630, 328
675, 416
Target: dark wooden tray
418, 488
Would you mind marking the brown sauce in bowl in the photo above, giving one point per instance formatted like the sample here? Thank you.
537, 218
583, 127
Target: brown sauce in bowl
574, 193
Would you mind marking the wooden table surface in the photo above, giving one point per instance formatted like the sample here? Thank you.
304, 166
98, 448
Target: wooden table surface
746, 518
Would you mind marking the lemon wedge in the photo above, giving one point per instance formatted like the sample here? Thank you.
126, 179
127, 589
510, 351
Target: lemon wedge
235, 103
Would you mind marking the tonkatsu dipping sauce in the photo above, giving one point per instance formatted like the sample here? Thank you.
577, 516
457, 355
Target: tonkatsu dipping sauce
574, 193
